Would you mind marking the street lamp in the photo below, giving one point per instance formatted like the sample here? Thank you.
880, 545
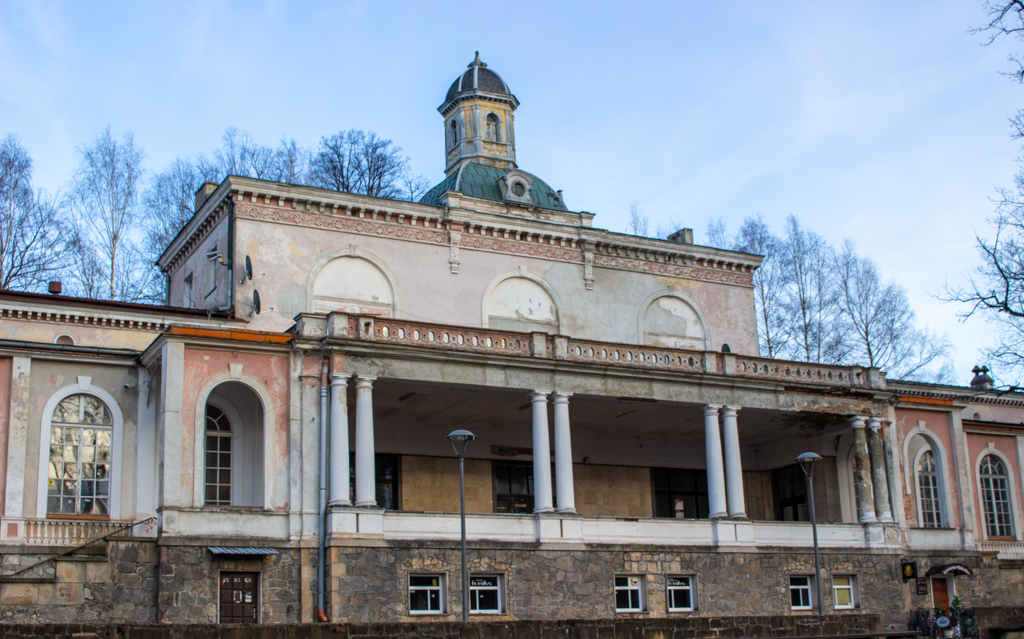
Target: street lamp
463, 437
806, 462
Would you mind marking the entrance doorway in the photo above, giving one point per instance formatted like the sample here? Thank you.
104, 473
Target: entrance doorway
239, 601
941, 592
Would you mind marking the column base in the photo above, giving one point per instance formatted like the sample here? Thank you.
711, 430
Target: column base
886, 519
739, 517
537, 511
566, 511
867, 519
366, 504
721, 515
332, 505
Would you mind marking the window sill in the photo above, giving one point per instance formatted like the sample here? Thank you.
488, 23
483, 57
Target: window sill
633, 613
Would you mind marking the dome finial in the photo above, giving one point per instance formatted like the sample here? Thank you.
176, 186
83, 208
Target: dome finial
476, 61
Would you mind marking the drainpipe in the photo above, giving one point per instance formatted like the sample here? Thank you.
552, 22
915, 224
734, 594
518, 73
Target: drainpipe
322, 558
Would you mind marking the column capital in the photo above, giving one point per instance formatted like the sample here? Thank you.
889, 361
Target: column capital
730, 410
339, 379
857, 421
539, 395
711, 409
364, 381
561, 397
874, 423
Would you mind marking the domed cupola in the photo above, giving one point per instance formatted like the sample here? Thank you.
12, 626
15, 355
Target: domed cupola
478, 122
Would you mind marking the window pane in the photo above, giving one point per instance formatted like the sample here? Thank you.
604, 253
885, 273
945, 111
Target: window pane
843, 597
424, 581
418, 600
488, 600
622, 599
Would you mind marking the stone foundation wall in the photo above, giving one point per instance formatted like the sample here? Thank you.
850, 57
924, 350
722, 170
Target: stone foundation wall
994, 582
189, 584
117, 587
369, 584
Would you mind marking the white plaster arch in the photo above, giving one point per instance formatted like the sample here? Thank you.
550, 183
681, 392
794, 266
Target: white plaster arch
525, 274
1015, 515
83, 386
942, 460
199, 431
689, 301
56, 340
353, 250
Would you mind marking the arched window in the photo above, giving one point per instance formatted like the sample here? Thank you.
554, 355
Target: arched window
493, 128
453, 135
218, 457
928, 492
78, 481
995, 497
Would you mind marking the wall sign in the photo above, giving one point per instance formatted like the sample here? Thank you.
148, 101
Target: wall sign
922, 586
909, 570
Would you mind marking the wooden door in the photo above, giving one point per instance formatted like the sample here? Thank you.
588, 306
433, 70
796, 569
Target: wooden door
940, 593
238, 597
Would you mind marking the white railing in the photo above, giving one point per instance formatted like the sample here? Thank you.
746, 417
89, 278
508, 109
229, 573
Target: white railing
66, 532
1004, 549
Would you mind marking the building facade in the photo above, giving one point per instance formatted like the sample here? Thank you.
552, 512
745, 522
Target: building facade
634, 454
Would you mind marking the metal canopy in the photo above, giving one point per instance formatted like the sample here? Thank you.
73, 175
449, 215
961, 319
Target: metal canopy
248, 550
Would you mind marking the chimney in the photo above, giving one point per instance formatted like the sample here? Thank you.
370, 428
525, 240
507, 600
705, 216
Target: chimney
203, 193
981, 378
682, 236
54, 288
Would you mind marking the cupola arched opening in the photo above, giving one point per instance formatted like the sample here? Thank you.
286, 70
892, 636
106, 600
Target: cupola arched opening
673, 321
493, 128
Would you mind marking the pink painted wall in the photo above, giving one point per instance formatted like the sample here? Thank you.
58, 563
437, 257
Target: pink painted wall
1007, 445
271, 371
937, 421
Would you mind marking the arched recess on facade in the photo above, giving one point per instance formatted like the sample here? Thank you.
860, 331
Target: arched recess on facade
352, 280
83, 386
673, 319
521, 301
915, 442
1011, 483
249, 408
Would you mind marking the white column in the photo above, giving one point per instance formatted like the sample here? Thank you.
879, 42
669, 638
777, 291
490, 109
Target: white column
716, 475
541, 454
733, 463
862, 473
366, 465
340, 490
879, 480
563, 455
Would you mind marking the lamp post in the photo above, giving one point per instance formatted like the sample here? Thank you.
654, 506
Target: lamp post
806, 462
463, 437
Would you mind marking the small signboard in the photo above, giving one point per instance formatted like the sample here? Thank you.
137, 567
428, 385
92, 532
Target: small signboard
922, 586
942, 621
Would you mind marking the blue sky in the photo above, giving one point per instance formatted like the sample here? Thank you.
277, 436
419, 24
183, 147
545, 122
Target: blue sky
881, 122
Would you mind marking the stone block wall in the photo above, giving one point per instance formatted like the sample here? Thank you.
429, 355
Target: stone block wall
369, 584
994, 582
113, 588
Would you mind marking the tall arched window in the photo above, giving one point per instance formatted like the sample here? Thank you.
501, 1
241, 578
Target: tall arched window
493, 128
995, 497
218, 457
453, 135
928, 492
78, 481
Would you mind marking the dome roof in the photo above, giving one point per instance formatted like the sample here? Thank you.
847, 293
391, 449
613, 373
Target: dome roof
478, 180
478, 78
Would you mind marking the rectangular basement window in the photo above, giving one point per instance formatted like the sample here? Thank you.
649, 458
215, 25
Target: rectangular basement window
800, 587
844, 592
485, 594
426, 594
629, 593
682, 594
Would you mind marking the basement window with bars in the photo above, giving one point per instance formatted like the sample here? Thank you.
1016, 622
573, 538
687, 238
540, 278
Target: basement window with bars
426, 594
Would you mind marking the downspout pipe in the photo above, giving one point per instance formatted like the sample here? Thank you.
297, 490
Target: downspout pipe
322, 528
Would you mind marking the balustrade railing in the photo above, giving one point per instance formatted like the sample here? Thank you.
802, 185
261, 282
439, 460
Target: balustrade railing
66, 532
542, 345
1004, 549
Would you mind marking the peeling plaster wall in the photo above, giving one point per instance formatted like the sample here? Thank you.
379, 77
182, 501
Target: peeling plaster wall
47, 333
938, 422
198, 264
271, 370
426, 290
976, 444
47, 378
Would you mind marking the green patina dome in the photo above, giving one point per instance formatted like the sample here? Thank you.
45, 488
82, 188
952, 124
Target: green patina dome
478, 180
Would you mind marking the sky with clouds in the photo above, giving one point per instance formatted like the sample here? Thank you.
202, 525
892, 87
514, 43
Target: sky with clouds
881, 122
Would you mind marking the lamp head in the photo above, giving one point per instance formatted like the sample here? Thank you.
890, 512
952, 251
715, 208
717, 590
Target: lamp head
457, 437
806, 462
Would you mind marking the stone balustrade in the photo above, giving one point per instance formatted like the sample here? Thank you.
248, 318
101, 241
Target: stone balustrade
1003, 549
66, 532
542, 345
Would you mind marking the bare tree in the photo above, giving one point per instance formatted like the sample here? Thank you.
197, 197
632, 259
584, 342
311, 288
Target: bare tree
31, 225
414, 188
383, 167
292, 163
881, 323
104, 198
770, 284
717, 234
638, 224
337, 162
811, 298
